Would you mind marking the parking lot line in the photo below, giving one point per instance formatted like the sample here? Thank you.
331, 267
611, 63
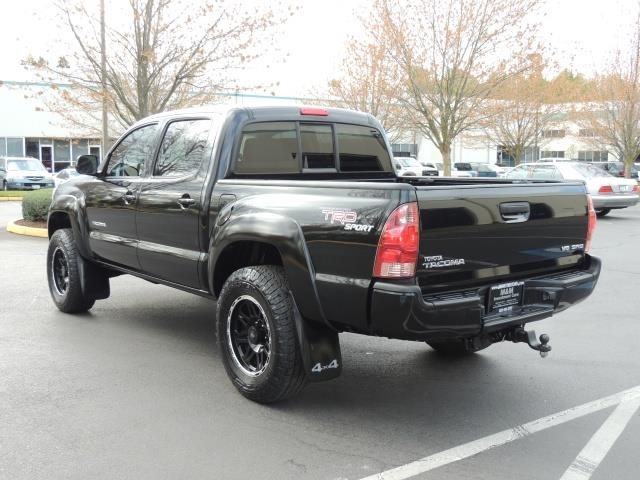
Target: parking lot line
506, 436
599, 445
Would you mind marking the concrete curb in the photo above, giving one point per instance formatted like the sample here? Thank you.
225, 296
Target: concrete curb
29, 231
10, 199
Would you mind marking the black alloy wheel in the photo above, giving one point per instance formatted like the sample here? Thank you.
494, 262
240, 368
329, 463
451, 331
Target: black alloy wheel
249, 335
60, 270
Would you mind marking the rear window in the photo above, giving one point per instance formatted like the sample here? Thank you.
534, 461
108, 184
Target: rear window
272, 148
362, 149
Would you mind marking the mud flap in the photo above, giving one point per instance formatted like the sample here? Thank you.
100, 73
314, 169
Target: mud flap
320, 350
94, 281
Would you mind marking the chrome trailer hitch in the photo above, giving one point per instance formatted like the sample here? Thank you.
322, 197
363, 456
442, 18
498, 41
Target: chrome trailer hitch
519, 334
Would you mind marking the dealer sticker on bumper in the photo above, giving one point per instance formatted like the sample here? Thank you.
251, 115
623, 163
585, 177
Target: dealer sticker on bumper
505, 296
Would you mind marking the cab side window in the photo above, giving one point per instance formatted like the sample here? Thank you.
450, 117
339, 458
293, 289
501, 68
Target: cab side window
183, 148
132, 152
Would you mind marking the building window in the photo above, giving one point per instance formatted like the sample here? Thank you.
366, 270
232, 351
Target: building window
79, 147
553, 133
551, 154
33, 147
15, 147
404, 149
593, 156
586, 132
3, 147
61, 154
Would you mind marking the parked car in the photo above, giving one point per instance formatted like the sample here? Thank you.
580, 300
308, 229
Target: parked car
65, 175
607, 192
465, 167
485, 169
24, 173
615, 168
454, 171
245, 205
410, 167
3, 177
429, 169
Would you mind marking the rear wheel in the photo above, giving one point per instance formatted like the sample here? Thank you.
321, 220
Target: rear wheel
602, 212
64, 273
257, 334
455, 347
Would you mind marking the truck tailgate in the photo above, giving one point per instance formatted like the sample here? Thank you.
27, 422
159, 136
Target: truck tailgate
480, 234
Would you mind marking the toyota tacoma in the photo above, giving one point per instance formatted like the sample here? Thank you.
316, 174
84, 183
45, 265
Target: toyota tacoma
294, 221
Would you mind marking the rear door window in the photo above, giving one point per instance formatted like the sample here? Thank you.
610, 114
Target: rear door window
183, 148
362, 149
268, 147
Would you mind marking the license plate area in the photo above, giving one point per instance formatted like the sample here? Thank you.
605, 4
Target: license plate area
505, 298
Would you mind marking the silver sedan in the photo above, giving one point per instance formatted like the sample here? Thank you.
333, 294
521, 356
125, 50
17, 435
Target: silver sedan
607, 192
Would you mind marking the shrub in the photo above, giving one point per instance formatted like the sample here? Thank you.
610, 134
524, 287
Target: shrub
35, 205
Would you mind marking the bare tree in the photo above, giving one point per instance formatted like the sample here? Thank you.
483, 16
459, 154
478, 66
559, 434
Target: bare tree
454, 54
162, 54
371, 81
614, 116
522, 107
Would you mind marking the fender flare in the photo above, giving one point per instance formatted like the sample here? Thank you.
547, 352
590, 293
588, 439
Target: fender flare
286, 236
74, 208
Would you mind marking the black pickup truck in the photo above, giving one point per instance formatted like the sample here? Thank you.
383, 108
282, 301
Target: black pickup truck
295, 222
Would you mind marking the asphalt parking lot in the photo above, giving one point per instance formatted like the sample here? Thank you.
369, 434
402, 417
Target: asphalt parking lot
136, 389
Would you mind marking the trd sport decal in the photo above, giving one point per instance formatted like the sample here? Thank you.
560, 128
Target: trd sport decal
345, 217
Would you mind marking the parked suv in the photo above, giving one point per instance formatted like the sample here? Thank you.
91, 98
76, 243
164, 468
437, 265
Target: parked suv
295, 221
24, 173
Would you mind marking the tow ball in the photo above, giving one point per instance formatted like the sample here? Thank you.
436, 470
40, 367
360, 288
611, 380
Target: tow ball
529, 337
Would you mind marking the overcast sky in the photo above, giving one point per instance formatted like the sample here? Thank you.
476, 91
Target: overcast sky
582, 32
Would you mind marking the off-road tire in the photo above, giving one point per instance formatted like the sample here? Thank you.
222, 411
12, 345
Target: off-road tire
283, 376
602, 212
455, 347
72, 299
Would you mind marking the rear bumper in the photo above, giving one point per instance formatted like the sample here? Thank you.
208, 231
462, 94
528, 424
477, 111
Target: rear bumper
614, 201
402, 311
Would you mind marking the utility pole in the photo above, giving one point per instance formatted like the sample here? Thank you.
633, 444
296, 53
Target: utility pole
103, 79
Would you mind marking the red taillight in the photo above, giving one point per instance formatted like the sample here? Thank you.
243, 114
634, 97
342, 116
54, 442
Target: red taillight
397, 252
592, 223
319, 112
605, 189
635, 189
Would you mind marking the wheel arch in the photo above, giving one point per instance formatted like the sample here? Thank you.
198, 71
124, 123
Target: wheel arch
268, 237
65, 212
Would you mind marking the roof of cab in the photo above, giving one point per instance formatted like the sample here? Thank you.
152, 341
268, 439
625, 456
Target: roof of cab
293, 112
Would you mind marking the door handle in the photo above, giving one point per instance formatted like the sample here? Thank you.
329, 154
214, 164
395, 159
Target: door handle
515, 212
186, 201
129, 197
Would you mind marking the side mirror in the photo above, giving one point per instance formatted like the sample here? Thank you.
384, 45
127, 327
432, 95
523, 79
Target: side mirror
87, 164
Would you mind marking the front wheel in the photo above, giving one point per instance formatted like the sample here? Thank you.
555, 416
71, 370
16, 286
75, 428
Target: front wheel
257, 334
64, 274
602, 212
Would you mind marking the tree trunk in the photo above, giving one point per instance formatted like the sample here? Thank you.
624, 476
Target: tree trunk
445, 151
628, 165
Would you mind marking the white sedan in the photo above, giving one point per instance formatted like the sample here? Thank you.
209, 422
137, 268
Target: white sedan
607, 192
